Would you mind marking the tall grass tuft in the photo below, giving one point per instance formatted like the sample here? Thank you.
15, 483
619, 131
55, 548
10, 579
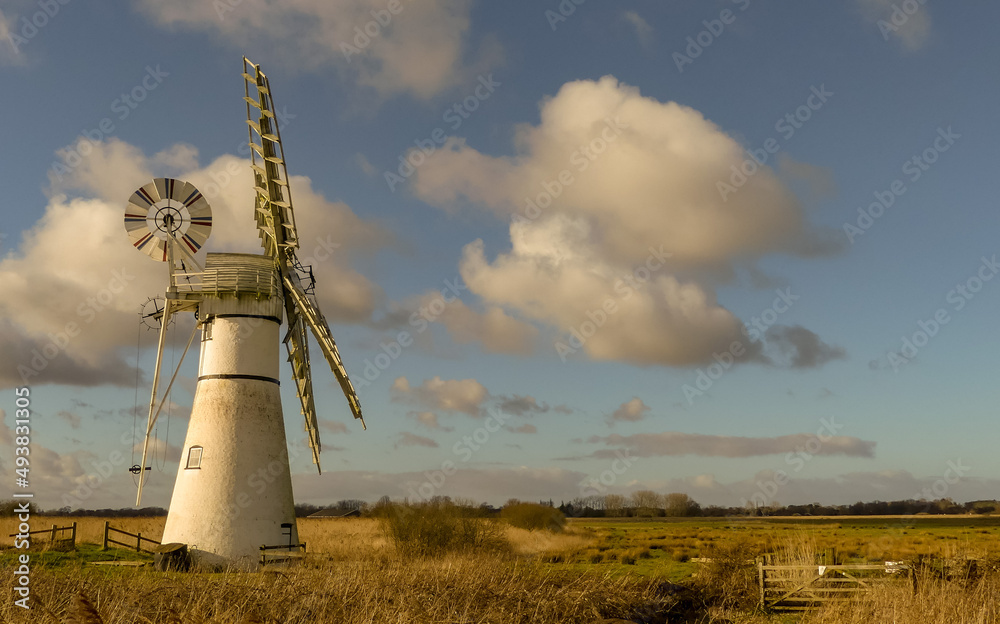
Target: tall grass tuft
82, 612
434, 528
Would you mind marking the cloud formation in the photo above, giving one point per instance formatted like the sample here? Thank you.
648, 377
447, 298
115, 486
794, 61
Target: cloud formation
642, 28
910, 30
411, 439
527, 405
333, 426
421, 50
64, 313
671, 443
428, 420
797, 347
616, 221
9, 53
493, 329
632, 410
453, 395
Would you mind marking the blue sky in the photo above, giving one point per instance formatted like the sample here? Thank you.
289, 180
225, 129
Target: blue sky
679, 92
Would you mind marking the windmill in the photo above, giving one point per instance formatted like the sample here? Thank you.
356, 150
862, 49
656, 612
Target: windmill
233, 491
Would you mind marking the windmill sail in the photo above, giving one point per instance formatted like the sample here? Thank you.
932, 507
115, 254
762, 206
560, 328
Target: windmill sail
279, 237
321, 330
297, 345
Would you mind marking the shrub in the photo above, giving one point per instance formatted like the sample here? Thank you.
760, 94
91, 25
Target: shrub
434, 528
729, 578
596, 557
532, 516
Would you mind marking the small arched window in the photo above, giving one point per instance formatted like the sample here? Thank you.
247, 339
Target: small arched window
194, 457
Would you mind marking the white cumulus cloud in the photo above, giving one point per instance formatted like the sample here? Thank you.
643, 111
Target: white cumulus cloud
614, 202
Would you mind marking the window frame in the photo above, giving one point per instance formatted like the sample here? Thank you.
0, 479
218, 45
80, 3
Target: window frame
189, 464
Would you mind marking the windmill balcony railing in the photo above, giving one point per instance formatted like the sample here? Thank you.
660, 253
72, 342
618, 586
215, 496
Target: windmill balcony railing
232, 280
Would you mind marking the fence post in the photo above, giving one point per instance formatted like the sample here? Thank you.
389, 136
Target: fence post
73, 536
106, 525
53, 538
760, 579
138, 542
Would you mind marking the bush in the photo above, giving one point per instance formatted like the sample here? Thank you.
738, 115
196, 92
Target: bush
435, 528
596, 557
729, 578
532, 516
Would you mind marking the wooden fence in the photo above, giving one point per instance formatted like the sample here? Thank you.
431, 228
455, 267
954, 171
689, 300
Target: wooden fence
54, 533
801, 587
137, 545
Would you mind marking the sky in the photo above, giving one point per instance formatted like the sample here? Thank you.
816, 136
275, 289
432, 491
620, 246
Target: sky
736, 249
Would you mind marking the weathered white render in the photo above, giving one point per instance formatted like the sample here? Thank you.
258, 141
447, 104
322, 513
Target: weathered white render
233, 490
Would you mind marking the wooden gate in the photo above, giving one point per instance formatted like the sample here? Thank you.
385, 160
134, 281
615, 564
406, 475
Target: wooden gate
800, 587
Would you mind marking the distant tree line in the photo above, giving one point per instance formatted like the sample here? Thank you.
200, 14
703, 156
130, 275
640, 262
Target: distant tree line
304, 509
639, 504
646, 503
127, 512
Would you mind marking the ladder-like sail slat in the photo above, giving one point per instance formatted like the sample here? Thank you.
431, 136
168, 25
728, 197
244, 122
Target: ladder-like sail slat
297, 345
321, 330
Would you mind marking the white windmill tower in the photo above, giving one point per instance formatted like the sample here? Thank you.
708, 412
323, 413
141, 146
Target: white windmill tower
233, 491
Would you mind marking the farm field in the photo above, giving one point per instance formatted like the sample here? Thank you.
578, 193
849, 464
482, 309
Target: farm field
595, 568
672, 544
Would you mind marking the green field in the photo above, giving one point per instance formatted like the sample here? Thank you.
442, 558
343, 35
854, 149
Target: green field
665, 547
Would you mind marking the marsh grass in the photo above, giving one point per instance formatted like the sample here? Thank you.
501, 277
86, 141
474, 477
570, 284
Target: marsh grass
355, 573
435, 528
453, 588
936, 601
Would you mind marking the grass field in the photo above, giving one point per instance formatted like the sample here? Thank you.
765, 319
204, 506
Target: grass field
595, 568
672, 544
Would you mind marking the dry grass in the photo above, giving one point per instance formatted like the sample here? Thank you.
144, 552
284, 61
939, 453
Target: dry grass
453, 589
343, 538
936, 602
355, 575
542, 543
